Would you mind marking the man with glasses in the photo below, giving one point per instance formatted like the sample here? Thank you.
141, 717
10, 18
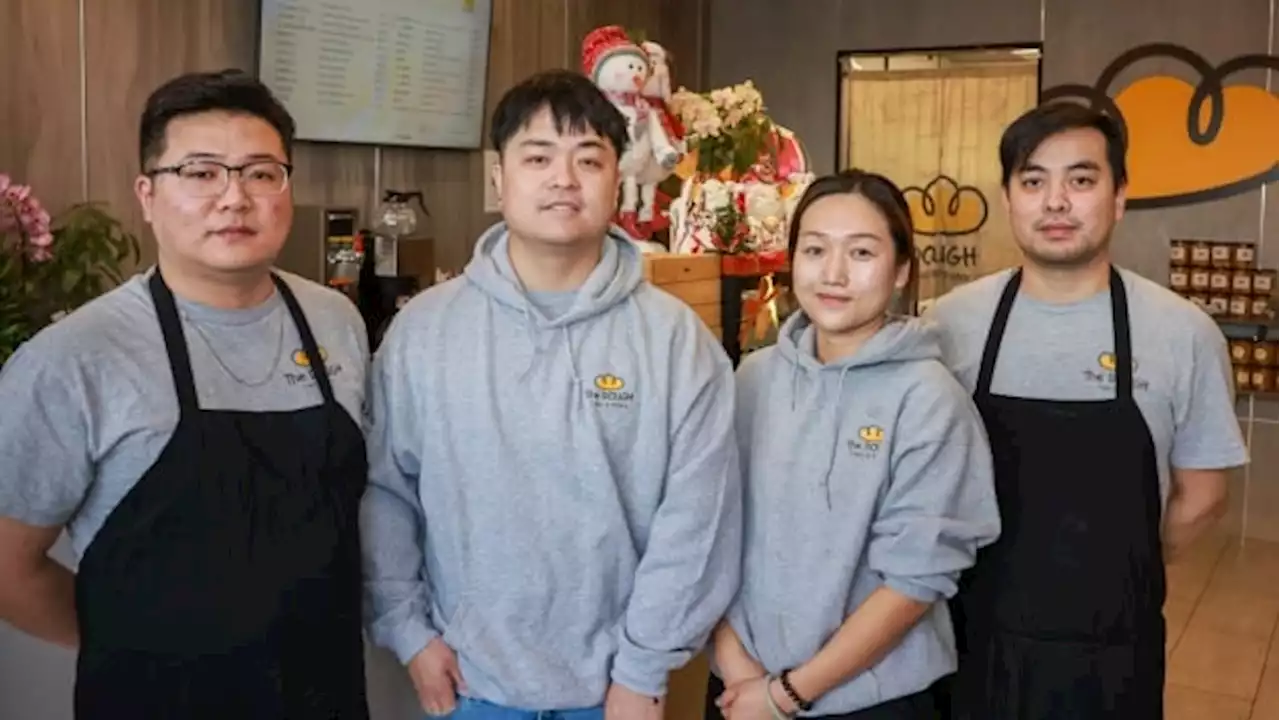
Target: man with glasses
196, 431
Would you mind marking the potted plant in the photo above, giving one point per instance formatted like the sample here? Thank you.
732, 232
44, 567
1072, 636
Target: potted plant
51, 266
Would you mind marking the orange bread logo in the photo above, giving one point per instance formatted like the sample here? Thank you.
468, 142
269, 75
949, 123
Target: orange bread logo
945, 207
1188, 142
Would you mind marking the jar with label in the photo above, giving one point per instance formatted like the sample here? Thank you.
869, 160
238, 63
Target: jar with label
1218, 305
1179, 252
1200, 279
1264, 353
1243, 256
1264, 281
1242, 282
1180, 279
1201, 254
1244, 378
1241, 351
1262, 380
1220, 254
1220, 281
1258, 307
1239, 307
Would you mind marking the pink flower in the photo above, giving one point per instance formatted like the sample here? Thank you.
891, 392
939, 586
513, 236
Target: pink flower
33, 221
17, 194
20, 210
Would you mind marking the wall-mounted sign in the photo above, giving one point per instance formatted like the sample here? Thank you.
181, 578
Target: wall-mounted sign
1188, 143
948, 218
945, 207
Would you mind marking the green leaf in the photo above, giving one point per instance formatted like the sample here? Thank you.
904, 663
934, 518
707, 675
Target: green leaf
70, 279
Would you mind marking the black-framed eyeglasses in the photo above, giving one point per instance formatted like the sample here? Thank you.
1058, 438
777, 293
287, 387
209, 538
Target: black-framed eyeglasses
210, 178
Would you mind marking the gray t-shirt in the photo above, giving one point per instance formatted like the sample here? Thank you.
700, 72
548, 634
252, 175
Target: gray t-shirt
1182, 370
89, 403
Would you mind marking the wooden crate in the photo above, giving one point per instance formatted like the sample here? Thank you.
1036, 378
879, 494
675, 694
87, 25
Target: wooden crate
695, 279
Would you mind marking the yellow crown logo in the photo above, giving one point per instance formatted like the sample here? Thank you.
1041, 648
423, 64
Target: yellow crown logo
301, 360
1107, 361
871, 433
609, 382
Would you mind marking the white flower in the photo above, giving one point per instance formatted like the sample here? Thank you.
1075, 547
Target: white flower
716, 195
764, 201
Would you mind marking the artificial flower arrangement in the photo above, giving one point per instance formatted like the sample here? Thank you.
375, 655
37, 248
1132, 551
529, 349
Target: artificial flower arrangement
49, 267
726, 130
742, 177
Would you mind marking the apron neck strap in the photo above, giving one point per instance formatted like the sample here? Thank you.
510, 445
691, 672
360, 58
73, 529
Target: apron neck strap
315, 361
180, 360
1120, 332
1119, 327
174, 341
995, 334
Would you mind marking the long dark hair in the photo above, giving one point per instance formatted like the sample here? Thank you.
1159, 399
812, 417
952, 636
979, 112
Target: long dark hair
881, 192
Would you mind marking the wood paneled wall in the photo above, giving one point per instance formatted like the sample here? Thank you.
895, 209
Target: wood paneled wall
75, 145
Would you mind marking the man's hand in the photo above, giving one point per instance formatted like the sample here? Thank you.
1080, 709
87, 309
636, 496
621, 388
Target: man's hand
625, 704
436, 677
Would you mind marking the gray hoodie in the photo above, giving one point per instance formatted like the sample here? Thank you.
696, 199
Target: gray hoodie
871, 471
559, 498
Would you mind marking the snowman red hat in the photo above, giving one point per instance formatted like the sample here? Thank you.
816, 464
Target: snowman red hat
603, 43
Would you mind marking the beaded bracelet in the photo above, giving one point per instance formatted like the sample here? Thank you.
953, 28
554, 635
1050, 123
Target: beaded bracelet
778, 714
785, 679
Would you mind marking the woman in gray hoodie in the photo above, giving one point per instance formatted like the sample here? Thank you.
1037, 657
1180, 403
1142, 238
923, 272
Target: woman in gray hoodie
868, 482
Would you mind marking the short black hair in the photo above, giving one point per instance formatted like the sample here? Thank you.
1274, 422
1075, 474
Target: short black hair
575, 103
1038, 124
231, 90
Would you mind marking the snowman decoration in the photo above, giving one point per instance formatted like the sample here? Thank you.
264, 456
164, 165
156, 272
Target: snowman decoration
621, 69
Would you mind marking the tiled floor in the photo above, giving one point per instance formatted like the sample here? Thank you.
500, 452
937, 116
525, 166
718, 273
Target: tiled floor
1222, 612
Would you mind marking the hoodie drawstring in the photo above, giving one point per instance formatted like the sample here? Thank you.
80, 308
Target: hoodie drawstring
530, 327
573, 364
835, 441
533, 341
833, 422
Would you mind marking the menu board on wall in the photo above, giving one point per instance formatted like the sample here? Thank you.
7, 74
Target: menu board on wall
386, 72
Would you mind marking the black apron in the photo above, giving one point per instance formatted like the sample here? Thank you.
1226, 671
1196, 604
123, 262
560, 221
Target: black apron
227, 582
1061, 618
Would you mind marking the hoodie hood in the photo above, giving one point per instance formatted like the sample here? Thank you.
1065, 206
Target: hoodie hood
614, 279
617, 275
902, 339
818, 389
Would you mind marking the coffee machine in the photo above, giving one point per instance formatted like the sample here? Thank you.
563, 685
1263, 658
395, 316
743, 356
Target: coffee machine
383, 286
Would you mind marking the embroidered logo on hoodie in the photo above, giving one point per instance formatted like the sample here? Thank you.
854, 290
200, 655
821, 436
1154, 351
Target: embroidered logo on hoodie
610, 391
867, 443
